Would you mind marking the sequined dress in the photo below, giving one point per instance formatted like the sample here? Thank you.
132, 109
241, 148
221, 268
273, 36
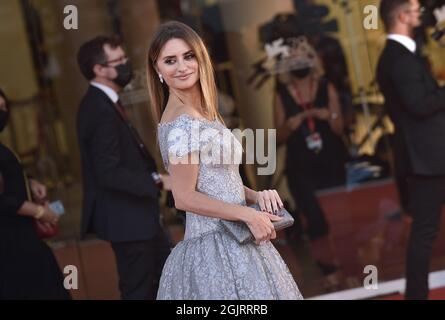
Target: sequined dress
209, 264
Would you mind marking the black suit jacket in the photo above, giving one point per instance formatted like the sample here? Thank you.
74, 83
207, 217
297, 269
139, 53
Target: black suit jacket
416, 106
120, 198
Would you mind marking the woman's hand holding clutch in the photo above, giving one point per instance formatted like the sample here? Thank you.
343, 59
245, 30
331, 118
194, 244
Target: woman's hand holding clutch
260, 225
264, 215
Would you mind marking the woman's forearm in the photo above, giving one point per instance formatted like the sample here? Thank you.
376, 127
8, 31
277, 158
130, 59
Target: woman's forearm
336, 117
17, 205
199, 203
28, 209
250, 195
337, 125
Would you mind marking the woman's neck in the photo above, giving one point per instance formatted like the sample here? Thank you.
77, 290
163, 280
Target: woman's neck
190, 97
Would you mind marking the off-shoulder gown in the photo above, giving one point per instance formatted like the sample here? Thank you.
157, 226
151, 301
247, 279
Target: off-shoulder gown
209, 264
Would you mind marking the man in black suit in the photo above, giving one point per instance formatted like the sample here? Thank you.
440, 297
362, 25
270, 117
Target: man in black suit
416, 105
120, 201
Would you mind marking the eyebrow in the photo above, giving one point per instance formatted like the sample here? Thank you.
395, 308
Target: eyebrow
169, 57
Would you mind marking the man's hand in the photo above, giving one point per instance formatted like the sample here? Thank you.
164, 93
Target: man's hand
38, 190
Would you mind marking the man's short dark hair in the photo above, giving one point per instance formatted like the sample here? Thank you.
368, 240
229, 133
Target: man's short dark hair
388, 8
3, 95
92, 52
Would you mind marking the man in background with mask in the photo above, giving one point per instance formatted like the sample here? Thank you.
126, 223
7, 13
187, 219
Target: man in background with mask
416, 106
121, 185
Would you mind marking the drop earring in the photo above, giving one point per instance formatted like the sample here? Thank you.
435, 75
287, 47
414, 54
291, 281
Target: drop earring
161, 78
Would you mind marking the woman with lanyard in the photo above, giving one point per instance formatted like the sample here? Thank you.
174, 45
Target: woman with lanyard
309, 121
28, 269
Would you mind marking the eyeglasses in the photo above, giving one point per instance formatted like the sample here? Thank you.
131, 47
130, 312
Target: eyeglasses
123, 59
418, 10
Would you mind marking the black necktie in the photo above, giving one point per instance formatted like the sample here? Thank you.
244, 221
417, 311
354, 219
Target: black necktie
120, 108
140, 143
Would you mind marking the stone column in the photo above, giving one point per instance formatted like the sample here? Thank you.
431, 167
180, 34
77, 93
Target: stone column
242, 20
18, 79
69, 84
139, 20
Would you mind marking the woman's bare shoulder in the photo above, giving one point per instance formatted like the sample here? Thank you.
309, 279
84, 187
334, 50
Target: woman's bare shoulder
170, 115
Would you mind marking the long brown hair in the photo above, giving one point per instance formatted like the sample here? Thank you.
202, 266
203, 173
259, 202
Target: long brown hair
159, 91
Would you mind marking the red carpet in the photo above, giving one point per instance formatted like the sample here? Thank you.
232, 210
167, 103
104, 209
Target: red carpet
435, 294
362, 235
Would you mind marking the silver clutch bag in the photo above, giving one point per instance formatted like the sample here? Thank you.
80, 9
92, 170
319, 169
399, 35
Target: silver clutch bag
241, 232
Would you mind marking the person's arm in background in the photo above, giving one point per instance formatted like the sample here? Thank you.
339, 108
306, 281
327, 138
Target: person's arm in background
38, 190
107, 161
332, 113
11, 203
40, 212
284, 126
410, 87
336, 117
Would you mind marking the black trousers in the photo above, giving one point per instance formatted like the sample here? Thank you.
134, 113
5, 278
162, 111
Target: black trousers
303, 191
427, 195
401, 175
139, 264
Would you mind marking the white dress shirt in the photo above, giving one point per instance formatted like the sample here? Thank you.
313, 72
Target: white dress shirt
108, 91
407, 42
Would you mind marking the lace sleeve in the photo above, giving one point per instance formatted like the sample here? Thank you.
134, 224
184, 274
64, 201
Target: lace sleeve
188, 135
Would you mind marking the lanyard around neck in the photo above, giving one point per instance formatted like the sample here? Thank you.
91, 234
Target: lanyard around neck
308, 105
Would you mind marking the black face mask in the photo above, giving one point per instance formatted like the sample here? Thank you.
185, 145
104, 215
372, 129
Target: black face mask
4, 116
124, 74
301, 73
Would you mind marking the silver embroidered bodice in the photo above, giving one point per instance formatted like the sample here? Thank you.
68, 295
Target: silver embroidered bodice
220, 154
